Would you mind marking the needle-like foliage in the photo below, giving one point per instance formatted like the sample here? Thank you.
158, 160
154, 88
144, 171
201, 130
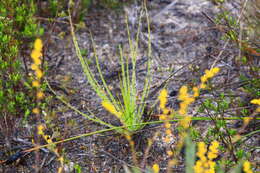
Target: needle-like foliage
130, 109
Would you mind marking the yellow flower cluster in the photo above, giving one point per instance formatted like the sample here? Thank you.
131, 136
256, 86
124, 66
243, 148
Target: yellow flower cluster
246, 120
186, 98
208, 75
36, 57
255, 101
164, 116
205, 164
156, 168
247, 167
111, 108
48, 139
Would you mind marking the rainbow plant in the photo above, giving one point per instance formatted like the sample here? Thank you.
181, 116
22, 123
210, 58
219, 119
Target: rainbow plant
130, 109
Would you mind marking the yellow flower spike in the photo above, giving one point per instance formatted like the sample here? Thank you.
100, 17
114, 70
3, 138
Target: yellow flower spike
36, 110
156, 168
38, 45
163, 98
255, 101
36, 83
111, 108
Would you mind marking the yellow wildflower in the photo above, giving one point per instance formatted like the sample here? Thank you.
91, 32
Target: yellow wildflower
247, 167
38, 45
49, 140
195, 91
172, 162
128, 137
40, 95
167, 125
212, 154
35, 83
215, 70
246, 120
166, 111
36, 110
60, 170
156, 168
111, 108
34, 67
208, 74
255, 101
40, 129
39, 73
189, 100
132, 143
205, 164
183, 108
167, 139
203, 79
185, 122
198, 167
203, 85
37, 61
36, 54
168, 132
169, 153
201, 149
183, 93
163, 98
162, 117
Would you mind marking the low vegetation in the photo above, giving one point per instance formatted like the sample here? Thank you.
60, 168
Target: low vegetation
28, 98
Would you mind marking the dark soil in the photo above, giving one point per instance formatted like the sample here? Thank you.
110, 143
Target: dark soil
183, 38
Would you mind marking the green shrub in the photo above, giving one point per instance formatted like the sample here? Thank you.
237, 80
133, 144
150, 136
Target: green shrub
17, 26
